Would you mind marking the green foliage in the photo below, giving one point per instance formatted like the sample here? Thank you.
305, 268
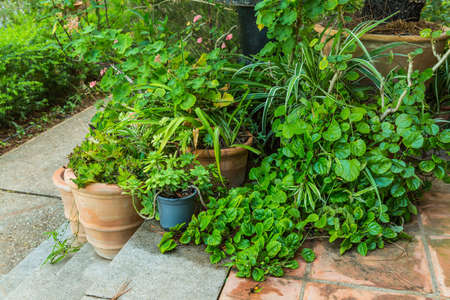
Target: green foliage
34, 72
174, 175
60, 249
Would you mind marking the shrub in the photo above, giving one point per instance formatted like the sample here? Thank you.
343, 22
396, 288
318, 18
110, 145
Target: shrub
34, 73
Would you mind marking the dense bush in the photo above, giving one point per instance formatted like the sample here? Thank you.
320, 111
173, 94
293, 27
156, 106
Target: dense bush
34, 72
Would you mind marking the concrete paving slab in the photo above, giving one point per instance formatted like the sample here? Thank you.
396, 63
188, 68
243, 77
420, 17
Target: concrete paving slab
32, 262
185, 273
68, 282
29, 168
23, 221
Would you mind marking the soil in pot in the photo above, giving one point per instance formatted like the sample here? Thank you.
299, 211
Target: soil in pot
107, 215
175, 211
70, 208
233, 163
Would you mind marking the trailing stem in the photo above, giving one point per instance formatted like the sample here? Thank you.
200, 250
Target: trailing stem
405, 92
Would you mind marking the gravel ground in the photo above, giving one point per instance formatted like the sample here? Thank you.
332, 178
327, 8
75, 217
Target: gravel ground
23, 227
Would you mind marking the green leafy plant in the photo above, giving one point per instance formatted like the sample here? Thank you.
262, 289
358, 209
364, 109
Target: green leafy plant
61, 248
174, 176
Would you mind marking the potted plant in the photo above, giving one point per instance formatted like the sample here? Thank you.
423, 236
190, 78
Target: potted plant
96, 168
394, 30
70, 208
176, 183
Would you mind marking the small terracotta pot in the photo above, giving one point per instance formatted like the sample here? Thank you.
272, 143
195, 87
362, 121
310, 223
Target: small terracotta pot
70, 208
384, 65
233, 163
107, 215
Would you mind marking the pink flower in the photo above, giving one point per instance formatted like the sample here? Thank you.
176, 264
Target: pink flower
229, 37
196, 18
103, 71
199, 40
92, 83
223, 46
115, 41
157, 58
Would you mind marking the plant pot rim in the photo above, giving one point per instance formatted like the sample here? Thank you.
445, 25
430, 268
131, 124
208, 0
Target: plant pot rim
92, 188
387, 37
179, 199
232, 151
58, 180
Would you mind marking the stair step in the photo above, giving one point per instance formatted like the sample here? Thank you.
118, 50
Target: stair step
185, 273
31, 263
65, 283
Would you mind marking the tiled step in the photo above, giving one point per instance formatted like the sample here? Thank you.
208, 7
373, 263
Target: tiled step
25, 269
66, 282
185, 273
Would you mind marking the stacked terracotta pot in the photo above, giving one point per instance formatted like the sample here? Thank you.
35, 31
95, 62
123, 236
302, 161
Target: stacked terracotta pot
105, 213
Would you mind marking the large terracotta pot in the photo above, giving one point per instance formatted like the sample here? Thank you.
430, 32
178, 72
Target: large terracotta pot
107, 215
233, 163
70, 208
384, 65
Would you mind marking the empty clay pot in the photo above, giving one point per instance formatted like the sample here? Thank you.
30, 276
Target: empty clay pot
410, 43
70, 208
107, 215
233, 163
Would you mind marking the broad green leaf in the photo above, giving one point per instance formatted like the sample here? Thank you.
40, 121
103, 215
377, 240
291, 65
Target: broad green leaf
362, 248
427, 166
397, 190
333, 132
258, 274
403, 121
358, 147
374, 228
444, 136
273, 247
348, 169
308, 255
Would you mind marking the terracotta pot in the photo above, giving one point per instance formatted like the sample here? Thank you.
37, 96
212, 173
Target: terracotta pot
233, 163
107, 215
70, 208
384, 64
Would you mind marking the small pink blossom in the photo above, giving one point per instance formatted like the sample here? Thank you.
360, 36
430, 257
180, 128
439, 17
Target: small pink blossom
223, 46
196, 18
157, 58
92, 83
115, 41
229, 37
103, 71
199, 40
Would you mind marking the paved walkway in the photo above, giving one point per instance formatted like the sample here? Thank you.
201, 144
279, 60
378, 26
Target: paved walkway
29, 203
420, 269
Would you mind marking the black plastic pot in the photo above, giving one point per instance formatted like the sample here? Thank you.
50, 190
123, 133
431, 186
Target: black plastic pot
174, 211
252, 40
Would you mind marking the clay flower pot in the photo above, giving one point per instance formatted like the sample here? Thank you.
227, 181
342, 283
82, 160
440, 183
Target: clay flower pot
107, 215
233, 163
70, 208
411, 42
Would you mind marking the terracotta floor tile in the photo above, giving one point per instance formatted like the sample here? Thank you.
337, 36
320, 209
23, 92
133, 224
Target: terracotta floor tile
435, 211
440, 256
321, 291
402, 266
272, 289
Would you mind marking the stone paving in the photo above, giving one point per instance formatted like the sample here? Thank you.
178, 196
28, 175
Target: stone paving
417, 269
29, 203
